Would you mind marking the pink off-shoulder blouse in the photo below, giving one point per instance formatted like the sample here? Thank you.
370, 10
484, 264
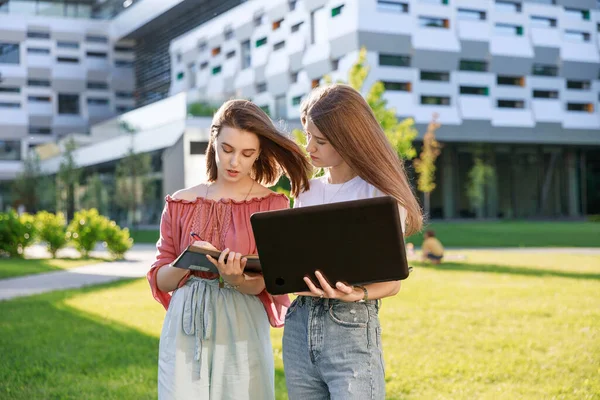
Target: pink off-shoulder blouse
226, 224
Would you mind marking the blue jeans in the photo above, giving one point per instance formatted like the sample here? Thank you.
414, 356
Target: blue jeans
332, 350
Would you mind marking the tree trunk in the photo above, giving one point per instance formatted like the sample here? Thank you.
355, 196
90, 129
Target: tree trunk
426, 204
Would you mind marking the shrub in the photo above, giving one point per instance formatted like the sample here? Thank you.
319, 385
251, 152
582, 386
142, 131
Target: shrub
16, 233
86, 229
118, 240
51, 229
594, 218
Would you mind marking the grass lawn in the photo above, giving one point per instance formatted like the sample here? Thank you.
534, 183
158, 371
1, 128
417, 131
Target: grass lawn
490, 234
497, 325
13, 267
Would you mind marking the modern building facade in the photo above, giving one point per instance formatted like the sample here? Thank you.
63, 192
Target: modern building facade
518, 80
515, 80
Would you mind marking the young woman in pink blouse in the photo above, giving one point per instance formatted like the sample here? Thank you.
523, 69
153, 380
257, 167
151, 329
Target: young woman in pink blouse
215, 341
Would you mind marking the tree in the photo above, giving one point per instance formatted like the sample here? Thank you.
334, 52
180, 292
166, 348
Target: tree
96, 194
34, 190
425, 164
481, 176
68, 177
131, 175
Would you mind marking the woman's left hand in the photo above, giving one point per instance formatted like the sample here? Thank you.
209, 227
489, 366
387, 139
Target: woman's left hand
341, 291
231, 267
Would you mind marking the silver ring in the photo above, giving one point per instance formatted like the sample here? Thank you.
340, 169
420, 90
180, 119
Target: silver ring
321, 295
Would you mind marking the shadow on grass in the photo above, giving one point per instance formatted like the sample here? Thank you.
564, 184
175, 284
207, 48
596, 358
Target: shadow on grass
53, 351
15, 267
502, 269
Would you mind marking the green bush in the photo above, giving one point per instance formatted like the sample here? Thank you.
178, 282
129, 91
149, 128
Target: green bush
86, 229
16, 233
594, 218
51, 228
118, 240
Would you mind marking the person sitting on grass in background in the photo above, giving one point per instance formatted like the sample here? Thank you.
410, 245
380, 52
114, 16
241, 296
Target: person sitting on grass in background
432, 248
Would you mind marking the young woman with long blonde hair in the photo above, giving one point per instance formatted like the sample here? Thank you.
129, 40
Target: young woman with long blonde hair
332, 336
215, 342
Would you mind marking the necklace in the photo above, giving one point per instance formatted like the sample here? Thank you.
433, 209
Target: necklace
335, 194
245, 198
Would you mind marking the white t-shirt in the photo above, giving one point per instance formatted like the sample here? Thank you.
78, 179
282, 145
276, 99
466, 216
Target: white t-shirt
321, 192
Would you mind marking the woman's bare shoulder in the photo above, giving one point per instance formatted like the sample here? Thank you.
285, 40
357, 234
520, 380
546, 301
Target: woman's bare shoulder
191, 193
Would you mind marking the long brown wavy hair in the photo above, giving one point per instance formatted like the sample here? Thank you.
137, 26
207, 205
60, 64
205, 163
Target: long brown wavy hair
278, 153
348, 123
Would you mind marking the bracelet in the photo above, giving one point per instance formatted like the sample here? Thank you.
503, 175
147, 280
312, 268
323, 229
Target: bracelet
229, 285
366, 294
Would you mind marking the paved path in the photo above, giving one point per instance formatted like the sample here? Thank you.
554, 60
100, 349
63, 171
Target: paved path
137, 263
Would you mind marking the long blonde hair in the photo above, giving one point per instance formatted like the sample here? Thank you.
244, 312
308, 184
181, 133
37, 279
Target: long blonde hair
278, 153
345, 119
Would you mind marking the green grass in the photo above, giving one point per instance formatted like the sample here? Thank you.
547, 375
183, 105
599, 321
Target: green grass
497, 325
13, 267
514, 234
489, 234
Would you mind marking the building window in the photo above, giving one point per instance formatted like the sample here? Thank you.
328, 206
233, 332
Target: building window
435, 100
38, 99
435, 76
335, 64
392, 6
97, 85
577, 36
261, 42
336, 11
38, 35
296, 28
203, 65
259, 19
511, 104
67, 60
544, 70
577, 13
9, 104
475, 90
297, 100
543, 22
397, 86
579, 85
9, 53
67, 45
123, 109
230, 54
473, 65
508, 30
292, 4
96, 54
580, 107
95, 101
394, 60
10, 150
266, 109
38, 83
10, 89
40, 130
443, 2
123, 64
124, 95
68, 104
277, 24
261, 87
279, 45
96, 39
508, 6
545, 94
510, 81
228, 33
294, 77
180, 75
37, 50
246, 54
430, 22
216, 51
202, 46
124, 49
198, 147
472, 15
216, 70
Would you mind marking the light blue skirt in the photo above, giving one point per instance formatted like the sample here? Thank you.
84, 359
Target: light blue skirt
215, 344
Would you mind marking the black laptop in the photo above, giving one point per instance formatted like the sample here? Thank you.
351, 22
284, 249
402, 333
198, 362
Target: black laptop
356, 242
